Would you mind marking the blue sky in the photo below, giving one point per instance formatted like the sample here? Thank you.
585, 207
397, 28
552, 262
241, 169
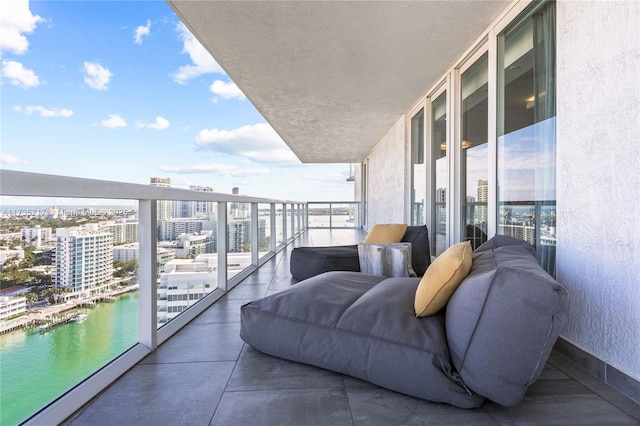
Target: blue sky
120, 90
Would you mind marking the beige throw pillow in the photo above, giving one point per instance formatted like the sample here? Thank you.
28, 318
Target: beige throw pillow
442, 278
386, 233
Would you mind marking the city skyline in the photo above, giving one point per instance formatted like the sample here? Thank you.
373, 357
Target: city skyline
122, 91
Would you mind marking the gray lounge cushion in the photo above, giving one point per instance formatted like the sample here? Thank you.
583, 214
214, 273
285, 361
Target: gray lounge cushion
503, 321
307, 262
360, 325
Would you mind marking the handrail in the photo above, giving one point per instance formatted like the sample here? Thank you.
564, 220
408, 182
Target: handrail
15, 183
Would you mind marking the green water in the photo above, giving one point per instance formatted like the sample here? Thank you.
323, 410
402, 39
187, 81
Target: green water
36, 368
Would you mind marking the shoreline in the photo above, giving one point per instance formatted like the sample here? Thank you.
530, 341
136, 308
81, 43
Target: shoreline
49, 316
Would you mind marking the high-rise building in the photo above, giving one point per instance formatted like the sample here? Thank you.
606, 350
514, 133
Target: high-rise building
123, 232
483, 198
190, 208
164, 207
83, 257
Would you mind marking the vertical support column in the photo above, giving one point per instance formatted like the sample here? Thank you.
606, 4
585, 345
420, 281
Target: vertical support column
148, 273
255, 240
221, 246
285, 237
305, 219
492, 137
273, 243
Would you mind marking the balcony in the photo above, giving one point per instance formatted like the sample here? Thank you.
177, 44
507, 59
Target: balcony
195, 368
205, 374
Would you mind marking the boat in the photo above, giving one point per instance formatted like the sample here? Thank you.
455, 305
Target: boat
78, 317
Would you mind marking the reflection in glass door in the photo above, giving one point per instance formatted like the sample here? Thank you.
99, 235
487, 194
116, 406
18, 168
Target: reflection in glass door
439, 172
527, 132
418, 170
474, 152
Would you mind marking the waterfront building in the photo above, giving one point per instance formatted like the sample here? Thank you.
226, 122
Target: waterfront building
83, 258
122, 231
12, 306
36, 236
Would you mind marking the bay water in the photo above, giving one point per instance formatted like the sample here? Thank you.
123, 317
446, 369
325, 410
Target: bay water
36, 368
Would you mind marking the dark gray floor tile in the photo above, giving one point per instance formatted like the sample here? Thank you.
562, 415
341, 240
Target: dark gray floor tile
160, 394
224, 310
195, 343
299, 407
552, 373
566, 409
381, 407
246, 291
257, 371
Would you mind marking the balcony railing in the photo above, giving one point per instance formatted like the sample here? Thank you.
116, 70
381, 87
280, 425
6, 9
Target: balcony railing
267, 226
333, 214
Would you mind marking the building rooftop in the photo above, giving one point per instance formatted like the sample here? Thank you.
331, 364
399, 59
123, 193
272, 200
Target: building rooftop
205, 374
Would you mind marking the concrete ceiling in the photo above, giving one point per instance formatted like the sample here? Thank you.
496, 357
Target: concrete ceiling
332, 77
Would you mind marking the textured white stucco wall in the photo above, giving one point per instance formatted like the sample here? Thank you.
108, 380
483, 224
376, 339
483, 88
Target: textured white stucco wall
387, 178
598, 160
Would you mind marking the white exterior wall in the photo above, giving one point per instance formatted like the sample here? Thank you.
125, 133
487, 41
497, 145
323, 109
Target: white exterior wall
386, 178
11, 306
598, 160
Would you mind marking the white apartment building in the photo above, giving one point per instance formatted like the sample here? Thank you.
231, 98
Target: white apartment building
83, 258
164, 207
7, 253
183, 283
189, 208
132, 251
171, 229
122, 231
11, 306
36, 236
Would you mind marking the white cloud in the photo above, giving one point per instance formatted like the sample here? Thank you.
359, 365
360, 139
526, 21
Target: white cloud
258, 143
226, 170
202, 61
18, 75
142, 31
16, 20
96, 76
44, 112
160, 124
11, 159
226, 90
114, 121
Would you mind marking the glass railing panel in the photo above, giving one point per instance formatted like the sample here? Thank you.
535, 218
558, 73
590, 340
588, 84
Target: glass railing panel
238, 238
186, 255
71, 307
319, 215
280, 224
333, 215
289, 221
264, 229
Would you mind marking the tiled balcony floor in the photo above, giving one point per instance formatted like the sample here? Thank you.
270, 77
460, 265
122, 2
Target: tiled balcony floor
206, 375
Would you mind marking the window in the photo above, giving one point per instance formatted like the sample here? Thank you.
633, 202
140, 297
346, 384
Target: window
439, 170
474, 152
527, 132
418, 170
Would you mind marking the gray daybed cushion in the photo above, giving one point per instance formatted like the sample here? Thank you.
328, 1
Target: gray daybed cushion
503, 321
363, 326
